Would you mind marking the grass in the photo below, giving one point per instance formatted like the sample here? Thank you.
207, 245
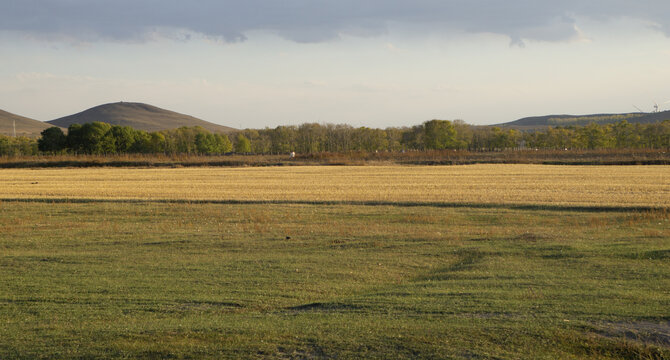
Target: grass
489, 184
481, 261
176, 280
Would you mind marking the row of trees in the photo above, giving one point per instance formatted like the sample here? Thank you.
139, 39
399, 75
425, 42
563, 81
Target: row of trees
102, 138
443, 134
621, 135
431, 135
15, 146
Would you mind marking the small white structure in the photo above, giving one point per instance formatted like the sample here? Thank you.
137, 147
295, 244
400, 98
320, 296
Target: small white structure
292, 154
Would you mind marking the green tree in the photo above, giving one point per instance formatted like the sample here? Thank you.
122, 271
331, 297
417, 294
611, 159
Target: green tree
504, 139
259, 139
91, 138
310, 138
463, 134
205, 143
367, 139
5, 145
124, 137
283, 139
141, 144
394, 139
155, 143
223, 144
593, 136
74, 138
182, 140
16, 146
52, 140
657, 135
439, 135
414, 138
561, 138
242, 144
97, 138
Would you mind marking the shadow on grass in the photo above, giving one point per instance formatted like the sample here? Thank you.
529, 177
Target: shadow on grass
325, 306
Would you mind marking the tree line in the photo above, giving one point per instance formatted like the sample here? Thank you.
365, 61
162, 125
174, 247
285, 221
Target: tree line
457, 135
102, 138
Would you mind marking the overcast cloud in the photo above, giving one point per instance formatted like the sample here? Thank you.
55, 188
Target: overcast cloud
363, 62
315, 20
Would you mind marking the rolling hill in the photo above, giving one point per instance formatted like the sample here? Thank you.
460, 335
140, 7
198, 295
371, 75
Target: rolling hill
542, 122
24, 126
137, 115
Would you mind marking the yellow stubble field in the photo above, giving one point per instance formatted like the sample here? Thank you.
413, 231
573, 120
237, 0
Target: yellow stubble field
481, 184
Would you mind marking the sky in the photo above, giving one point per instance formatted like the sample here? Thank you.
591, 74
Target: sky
376, 63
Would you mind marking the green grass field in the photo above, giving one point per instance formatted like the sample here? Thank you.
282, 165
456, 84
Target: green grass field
159, 280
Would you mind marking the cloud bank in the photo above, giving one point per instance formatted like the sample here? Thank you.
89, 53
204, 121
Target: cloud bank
315, 20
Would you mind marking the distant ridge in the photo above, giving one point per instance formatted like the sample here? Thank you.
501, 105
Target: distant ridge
24, 126
138, 116
542, 122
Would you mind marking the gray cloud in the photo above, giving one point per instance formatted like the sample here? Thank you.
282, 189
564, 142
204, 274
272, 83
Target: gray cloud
315, 20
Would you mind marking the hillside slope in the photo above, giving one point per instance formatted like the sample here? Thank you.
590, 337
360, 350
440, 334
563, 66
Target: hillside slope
138, 116
24, 126
542, 122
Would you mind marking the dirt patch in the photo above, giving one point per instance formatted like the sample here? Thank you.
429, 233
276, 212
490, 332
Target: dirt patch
528, 237
647, 332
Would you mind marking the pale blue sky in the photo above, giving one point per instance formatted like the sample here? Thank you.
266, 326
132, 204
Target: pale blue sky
258, 63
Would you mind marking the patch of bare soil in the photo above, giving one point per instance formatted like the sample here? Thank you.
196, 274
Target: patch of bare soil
647, 332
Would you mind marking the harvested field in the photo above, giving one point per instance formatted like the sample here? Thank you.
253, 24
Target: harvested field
626, 186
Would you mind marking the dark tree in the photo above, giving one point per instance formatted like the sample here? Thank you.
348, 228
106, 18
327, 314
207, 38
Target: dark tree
53, 140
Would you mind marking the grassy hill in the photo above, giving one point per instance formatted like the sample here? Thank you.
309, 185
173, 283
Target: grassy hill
137, 115
24, 126
542, 122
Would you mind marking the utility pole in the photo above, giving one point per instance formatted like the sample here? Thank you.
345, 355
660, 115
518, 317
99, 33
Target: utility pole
14, 128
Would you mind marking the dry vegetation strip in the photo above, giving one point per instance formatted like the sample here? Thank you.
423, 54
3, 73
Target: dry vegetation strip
482, 184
